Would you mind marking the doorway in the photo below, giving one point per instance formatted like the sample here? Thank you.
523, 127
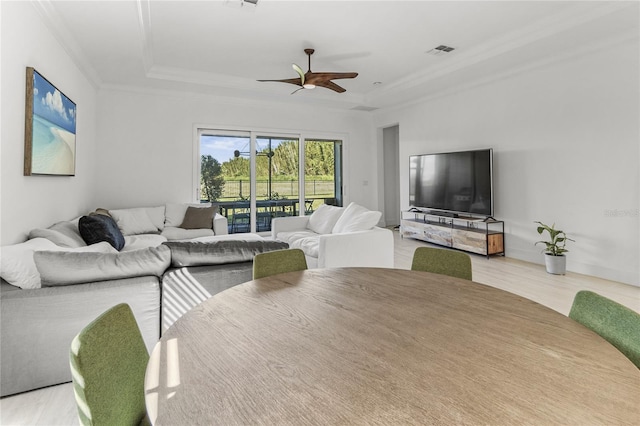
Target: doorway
391, 175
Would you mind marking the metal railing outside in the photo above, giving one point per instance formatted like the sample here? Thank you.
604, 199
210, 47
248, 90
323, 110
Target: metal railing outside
241, 189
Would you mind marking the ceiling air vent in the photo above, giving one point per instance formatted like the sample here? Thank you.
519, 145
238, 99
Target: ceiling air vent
440, 50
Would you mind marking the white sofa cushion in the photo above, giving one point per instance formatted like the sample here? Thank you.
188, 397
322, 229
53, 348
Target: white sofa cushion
67, 268
293, 236
141, 220
324, 218
156, 214
142, 241
309, 245
175, 233
356, 218
19, 269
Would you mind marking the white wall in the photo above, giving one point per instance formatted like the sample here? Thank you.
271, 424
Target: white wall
566, 150
146, 142
28, 202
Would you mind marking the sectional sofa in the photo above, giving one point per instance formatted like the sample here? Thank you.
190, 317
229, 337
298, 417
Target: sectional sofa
160, 260
55, 283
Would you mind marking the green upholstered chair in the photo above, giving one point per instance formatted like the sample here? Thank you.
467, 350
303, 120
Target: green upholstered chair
108, 361
278, 262
441, 261
617, 324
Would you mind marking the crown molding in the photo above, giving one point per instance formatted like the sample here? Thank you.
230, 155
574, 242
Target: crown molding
54, 23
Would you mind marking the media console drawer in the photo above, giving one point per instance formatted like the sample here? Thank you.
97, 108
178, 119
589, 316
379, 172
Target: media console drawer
478, 242
485, 237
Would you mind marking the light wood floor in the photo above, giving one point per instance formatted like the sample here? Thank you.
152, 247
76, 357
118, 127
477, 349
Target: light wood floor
55, 405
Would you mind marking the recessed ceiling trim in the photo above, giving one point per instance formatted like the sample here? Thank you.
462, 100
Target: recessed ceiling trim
243, 84
144, 20
364, 108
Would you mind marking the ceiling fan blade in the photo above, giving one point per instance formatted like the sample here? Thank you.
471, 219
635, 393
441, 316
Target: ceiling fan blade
330, 85
295, 81
311, 79
334, 75
300, 73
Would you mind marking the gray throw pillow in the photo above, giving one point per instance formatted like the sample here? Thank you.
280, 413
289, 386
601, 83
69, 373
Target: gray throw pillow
199, 217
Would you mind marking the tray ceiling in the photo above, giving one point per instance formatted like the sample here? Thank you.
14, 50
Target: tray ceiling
219, 48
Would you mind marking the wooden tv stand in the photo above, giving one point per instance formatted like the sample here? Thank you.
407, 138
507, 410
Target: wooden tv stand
470, 234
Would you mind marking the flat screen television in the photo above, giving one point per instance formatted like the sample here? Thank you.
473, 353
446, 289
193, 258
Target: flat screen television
452, 183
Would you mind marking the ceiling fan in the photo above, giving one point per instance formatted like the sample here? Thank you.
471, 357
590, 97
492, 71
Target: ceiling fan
310, 79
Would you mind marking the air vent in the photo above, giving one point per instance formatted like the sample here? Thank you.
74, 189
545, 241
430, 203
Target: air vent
440, 50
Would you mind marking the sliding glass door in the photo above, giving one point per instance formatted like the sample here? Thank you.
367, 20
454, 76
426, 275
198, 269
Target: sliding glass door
254, 177
276, 178
225, 175
322, 173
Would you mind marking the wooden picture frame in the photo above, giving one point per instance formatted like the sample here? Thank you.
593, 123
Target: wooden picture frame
50, 129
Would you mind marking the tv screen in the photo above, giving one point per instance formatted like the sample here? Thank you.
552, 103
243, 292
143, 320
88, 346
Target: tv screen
452, 182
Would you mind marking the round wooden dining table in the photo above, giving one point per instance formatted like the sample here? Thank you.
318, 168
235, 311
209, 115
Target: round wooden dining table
384, 346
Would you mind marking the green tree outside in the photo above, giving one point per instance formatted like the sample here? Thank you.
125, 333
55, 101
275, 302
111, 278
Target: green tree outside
235, 172
212, 181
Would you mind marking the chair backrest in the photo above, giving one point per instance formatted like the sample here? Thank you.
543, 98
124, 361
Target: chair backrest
277, 262
108, 361
617, 324
441, 261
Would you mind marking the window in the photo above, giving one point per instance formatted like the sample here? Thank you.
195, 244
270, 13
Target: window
254, 177
322, 172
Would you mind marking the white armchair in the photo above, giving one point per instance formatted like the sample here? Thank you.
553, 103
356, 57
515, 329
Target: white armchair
348, 237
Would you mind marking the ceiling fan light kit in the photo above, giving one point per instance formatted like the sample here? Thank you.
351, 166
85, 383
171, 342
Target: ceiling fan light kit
311, 80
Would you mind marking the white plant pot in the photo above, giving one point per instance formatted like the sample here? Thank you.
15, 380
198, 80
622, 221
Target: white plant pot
556, 265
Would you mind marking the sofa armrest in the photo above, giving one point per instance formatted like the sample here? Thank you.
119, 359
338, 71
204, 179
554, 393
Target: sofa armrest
220, 225
288, 224
372, 248
38, 325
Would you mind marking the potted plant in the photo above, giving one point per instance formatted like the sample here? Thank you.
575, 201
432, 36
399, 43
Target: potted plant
554, 251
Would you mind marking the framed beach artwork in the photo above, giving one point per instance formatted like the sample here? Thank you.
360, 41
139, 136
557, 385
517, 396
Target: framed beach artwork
50, 129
